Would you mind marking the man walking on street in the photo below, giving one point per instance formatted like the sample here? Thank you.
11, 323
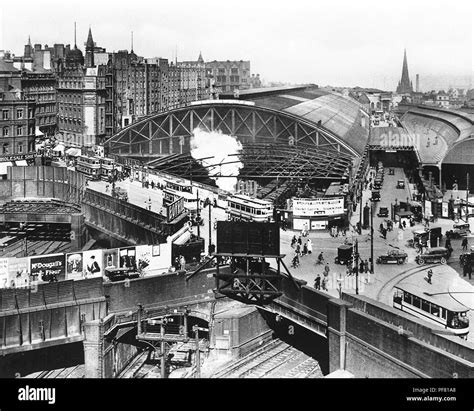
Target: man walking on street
317, 282
464, 244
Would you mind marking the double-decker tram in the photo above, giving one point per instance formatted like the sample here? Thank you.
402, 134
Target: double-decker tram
179, 185
176, 189
242, 207
90, 166
107, 168
435, 304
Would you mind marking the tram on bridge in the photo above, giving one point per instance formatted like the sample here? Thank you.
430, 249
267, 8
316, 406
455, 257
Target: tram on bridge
439, 306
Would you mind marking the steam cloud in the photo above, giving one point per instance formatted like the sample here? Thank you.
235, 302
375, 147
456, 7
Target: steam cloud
220, 146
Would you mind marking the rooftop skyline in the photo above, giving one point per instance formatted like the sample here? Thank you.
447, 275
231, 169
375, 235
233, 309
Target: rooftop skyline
340, 43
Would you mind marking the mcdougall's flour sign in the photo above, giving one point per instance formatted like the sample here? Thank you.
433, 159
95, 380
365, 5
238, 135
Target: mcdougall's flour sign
318, 206
48, 267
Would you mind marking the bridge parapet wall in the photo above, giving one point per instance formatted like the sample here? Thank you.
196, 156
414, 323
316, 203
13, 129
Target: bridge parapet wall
50, 314
157, 291
418, 328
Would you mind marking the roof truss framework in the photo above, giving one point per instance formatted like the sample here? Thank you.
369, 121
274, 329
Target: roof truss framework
267, 161
170, 133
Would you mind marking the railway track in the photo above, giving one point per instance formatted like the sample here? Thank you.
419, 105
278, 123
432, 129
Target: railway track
275, 360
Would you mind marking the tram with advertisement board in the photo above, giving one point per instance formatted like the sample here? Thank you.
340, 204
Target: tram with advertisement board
89, 166
242, 207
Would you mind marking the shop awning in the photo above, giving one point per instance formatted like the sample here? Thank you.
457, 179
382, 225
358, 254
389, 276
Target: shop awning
38, 132
21, 163
59, 148
3, 167
75, 152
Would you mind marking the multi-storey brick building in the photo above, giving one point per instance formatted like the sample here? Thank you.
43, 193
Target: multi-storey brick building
17, 126
81, 95
229, 75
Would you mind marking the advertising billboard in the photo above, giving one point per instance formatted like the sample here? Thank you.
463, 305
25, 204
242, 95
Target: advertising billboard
4, 273
48, 268
128, 258
318, 206
175, 209
74, 266
93, 266
110, 258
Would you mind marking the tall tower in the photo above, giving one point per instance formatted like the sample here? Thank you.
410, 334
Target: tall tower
405, 86
90, 45
417, 83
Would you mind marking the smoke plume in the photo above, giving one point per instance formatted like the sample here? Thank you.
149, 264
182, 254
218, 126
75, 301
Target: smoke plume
220, 147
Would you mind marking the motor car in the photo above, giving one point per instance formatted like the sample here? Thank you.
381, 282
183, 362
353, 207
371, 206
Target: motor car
400, 184
375, 195
344, 254
459, 230
383, 211
392, 256
391, 171
433, 255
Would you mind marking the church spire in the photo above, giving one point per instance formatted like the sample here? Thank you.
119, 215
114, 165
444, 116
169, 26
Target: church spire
90, 41
90, 50
405, 86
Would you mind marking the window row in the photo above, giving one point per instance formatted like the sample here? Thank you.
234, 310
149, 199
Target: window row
20, 130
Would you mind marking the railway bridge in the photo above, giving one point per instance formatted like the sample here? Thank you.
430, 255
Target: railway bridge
354, 333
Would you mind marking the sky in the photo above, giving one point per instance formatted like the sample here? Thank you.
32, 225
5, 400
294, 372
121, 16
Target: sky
336, 42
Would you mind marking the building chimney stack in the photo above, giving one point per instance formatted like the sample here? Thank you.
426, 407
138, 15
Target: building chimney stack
417, 83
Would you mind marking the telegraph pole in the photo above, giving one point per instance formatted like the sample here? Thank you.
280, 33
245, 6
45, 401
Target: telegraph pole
356, 259
371, 237
467, 198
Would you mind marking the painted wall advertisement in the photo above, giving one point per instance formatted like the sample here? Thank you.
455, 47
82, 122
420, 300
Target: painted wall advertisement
48, 268
318, 206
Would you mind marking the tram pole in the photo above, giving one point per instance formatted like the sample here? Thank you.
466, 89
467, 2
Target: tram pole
198, 218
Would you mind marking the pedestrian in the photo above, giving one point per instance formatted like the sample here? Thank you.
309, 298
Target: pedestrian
317, 282
366, 266
326, 270
293, 241
310, 246
182, 262
300, 242
430, 274
464, 244
298, 249
404, 224
324, 284
305, 248
361, 267
106, 188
